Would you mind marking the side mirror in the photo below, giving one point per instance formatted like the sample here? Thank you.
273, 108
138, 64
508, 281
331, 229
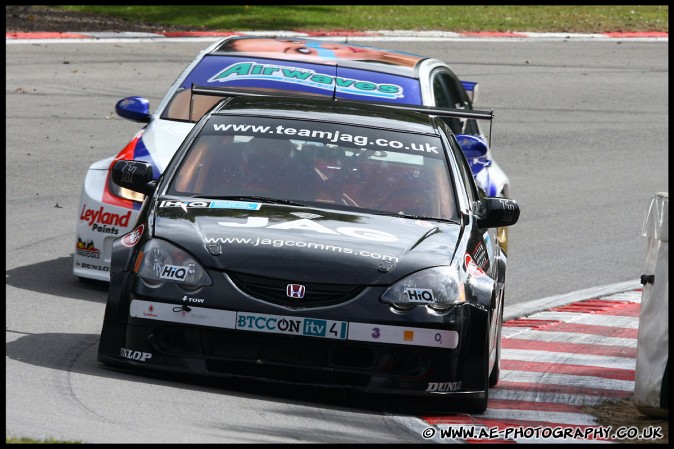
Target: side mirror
134, 175
495, 212
472, 146
136, 109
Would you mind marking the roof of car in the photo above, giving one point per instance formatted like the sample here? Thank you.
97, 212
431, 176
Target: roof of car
322, 52
347, 112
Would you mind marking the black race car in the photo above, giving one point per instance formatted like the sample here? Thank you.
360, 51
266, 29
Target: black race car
312, 241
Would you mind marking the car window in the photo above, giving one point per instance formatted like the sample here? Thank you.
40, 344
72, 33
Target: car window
184, 106
446, 96
441, 93
318, 163
449, 93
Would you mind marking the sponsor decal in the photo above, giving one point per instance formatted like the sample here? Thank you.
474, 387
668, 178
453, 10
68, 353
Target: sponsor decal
332, 137
105, 229
193, 315
245, 205
89, 266
295, 291
104, 222
224, 319
197, 300
173, 272
471, 267
149, 312
420, 295
309, 327
508, 209
480, 256
135, 355
416, 336
305, 224
444, 386
213, 244
127, 172
133, 237
307, 77
87, 249
301, 326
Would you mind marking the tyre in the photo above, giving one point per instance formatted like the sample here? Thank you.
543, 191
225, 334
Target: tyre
496, 371
479, 404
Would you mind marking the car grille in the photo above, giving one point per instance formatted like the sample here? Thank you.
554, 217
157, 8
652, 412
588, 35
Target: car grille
274, 290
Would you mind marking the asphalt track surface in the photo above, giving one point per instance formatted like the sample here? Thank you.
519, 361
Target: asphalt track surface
581, 129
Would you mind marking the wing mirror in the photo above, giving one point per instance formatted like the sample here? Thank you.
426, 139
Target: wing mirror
136, 109
493, 212
134, 175
472, 146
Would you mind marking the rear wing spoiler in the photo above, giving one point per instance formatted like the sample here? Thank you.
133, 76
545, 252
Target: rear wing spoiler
443, 112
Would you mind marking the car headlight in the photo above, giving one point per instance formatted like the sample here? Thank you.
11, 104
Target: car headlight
159, 262
439, 288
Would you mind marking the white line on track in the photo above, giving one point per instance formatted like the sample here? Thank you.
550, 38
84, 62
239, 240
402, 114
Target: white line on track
569, 380
515, 311
545, 396
599, 319
570, 337
603, 361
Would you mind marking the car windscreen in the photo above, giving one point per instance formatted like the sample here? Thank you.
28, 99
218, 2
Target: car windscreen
318, 163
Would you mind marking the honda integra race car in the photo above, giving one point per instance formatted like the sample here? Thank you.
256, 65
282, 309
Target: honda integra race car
108, 210
312, 241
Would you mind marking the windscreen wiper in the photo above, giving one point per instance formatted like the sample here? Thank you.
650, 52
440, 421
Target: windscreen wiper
260, 199
417, 217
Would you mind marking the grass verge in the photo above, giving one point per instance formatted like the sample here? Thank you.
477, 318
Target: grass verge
535, 18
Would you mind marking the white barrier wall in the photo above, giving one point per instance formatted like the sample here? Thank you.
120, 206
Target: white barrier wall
651, 389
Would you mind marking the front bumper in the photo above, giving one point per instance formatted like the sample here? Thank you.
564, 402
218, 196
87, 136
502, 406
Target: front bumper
398, 355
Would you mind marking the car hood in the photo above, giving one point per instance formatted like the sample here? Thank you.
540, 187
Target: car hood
300, 243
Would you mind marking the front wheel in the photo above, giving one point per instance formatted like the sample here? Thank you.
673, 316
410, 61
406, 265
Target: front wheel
479, 405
